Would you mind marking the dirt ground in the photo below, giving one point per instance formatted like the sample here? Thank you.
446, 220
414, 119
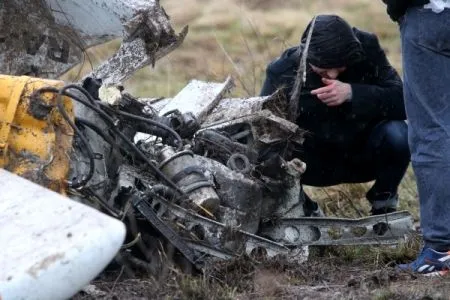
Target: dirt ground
330, 275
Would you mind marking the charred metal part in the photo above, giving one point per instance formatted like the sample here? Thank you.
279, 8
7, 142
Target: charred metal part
240, 163
39, 109
92, 85
155, 104
132, 105
219, 235
184, 124
92, 105
236, 191
339, 231
38, 47
142, 50
147, 211
285, 203
218, 146
292, 233
235, 108
106, 171
206, 248
154, 127
164, 191
184, 171
105, 136
268, 132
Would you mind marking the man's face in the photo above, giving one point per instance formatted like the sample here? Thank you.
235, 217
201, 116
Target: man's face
328, 73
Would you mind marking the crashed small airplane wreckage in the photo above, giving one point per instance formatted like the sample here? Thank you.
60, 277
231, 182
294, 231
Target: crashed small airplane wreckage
207, 175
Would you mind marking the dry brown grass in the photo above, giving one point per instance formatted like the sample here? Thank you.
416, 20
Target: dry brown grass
250, 32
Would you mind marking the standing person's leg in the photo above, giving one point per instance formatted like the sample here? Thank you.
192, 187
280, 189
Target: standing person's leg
426, 59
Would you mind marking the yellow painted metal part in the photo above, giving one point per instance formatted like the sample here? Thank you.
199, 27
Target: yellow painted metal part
35, 141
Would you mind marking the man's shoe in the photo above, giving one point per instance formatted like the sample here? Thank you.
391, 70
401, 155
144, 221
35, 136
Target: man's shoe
429, 263
310, 207
383, 203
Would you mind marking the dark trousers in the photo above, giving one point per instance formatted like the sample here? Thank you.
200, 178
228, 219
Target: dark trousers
384, 157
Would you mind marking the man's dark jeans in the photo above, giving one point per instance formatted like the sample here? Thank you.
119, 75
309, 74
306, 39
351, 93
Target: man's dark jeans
383, 156
426, 68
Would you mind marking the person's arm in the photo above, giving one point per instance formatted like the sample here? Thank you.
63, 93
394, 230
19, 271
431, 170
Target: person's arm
383, 97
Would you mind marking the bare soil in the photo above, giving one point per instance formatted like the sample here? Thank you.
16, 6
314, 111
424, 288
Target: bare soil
323, 277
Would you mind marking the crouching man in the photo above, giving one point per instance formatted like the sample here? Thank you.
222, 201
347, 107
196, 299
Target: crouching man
352, 105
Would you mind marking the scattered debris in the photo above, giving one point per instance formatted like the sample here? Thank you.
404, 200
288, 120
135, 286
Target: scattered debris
228, 187
199, 177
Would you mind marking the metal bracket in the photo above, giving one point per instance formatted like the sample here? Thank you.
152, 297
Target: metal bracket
147, 211
382, 229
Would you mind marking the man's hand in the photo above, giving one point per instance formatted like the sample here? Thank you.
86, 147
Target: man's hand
334, 93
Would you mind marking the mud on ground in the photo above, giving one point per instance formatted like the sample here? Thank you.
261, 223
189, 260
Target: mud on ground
331, 273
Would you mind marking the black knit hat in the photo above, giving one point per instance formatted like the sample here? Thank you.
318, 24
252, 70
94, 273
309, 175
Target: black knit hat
333, 43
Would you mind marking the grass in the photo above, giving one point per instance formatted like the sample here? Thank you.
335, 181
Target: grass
250, 33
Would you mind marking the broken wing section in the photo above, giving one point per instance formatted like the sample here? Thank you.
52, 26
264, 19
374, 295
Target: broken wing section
45, 38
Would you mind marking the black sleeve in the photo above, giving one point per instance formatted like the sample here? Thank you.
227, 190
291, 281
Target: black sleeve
383, 96
279, 76
270, 83
280, 73
396, 8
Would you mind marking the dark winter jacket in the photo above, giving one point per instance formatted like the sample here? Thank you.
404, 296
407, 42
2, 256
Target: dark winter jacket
397, 8
376, 87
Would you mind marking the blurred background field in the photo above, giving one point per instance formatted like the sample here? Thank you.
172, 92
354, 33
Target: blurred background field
239, 38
